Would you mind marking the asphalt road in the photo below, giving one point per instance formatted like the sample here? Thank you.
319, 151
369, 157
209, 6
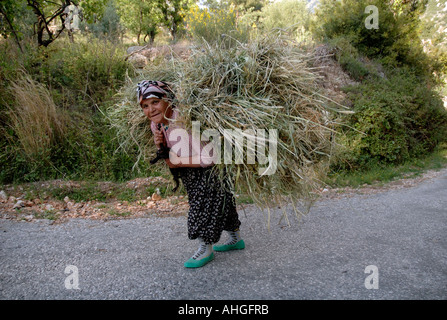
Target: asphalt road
400, 234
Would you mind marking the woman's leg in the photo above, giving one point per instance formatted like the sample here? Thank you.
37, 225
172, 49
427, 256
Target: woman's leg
212, 208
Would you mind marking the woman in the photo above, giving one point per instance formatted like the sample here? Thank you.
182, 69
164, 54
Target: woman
212, 207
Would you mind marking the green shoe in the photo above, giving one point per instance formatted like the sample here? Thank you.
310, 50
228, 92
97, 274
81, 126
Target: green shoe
192, 263
227, 247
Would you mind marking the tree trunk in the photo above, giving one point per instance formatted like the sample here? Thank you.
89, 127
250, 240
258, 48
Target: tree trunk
152, 37
70, 35
42, 22
12, 28
174, 32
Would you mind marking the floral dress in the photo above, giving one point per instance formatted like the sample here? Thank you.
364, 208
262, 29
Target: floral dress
212, 207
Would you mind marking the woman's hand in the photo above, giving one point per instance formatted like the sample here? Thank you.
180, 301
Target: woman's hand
170, 164
159, 138
175, 161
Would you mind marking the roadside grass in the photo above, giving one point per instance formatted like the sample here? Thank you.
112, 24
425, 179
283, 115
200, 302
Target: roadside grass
117, 213
108, 191
47, 214
383, 174
88, 191
244, 199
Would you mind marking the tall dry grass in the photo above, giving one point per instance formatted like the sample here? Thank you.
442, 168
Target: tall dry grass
267, 83
36, 121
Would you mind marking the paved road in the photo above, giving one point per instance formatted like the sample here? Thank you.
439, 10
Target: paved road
402, 232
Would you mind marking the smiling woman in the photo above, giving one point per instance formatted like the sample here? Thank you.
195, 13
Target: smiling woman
212, 204
154, 101
157, 110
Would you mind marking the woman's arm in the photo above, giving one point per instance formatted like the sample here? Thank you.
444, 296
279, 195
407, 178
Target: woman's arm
183, 162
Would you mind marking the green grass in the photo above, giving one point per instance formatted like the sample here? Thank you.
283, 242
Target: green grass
47, 214
116, 213
94, 190
87, 192
244, 199
127, 194
383, 174
90, 190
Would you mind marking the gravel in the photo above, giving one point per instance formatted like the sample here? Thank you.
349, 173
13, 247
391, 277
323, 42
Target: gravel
400, 231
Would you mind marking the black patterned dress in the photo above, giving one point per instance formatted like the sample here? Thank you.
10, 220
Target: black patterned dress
212, 208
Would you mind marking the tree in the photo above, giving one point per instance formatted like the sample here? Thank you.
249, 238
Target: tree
285, 14
47, 12
173, 12
141, 17
245, 6
396, 39
93, 10
8, 11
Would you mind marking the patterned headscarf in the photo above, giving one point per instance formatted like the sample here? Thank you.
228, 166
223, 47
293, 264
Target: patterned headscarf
154, 89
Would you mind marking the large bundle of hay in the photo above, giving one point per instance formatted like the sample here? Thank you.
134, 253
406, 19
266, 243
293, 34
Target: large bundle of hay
269, 83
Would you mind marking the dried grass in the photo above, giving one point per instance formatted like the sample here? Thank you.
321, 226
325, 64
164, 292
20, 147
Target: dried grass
34, 118
268, 83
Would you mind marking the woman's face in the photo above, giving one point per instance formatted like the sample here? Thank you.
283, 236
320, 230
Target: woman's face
155, 110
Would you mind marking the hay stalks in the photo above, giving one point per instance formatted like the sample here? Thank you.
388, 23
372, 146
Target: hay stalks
268, 83
34, 117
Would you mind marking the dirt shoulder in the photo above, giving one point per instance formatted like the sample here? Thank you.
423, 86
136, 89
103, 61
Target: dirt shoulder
137, 198
405, 182
58, 200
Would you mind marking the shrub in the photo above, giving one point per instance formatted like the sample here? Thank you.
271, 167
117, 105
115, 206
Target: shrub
88, 72
36, 121
396, 119
292, 15
50, 126
393, 42
210, 25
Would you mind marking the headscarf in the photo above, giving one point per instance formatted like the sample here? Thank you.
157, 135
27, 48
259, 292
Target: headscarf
154, 89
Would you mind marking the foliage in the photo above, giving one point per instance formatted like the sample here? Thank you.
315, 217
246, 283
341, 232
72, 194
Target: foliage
377, 174
434, 38
396, 119
394, 40
358, 66
93, 10
95, 73
75, 80
287, 14
47, 12
267, 83
173, 13
140, 17
35, 119
213, 24
8, 20
247, 5
398, 114
108, 25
